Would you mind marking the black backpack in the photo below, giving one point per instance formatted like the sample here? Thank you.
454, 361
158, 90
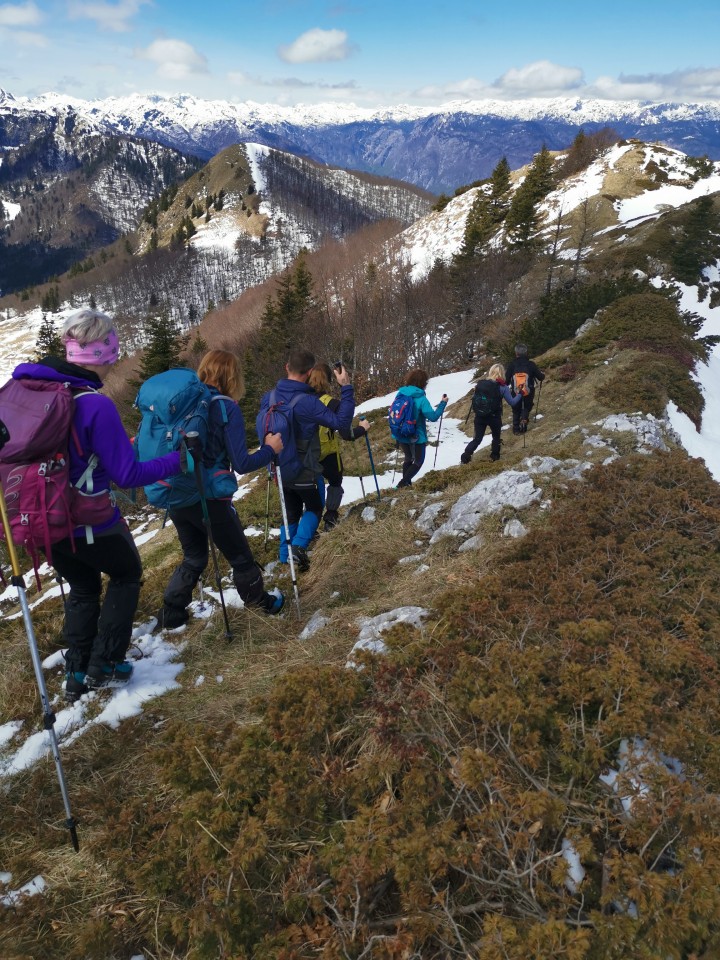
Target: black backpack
487, 399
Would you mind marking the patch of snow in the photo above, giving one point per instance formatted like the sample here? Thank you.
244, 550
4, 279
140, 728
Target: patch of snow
7, 732
653, 202
576, 871
11, 209
30, 889
145, 537
636, 763
704, 443
154, 674
199, 681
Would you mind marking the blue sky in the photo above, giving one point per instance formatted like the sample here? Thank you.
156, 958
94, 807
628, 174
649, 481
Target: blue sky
364, 51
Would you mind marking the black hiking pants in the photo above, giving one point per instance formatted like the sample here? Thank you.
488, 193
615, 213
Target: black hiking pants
521, 412
482, 422
229, 538
414, 458
333, 472
95, 633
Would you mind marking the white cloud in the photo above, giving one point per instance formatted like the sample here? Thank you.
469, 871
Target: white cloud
27, 38
108, 16
175, 59
19, 15
697, 83
539, 79
317, 46
610, 88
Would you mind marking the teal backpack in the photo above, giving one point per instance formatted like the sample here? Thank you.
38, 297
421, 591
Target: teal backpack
173, 404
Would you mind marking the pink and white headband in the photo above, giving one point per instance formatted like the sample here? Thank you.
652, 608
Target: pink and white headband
98, 353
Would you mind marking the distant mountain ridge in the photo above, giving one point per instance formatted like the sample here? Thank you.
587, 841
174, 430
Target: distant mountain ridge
437, 148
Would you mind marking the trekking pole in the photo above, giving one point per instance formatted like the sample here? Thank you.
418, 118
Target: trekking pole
18, 582
372, 465
192, 439
267, 509
395, 465
537, 408
283, 508
357, 467
466, 418
437, 442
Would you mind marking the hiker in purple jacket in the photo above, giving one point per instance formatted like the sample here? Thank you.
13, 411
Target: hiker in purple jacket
97, 636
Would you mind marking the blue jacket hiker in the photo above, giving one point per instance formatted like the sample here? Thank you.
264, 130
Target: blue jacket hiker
487, 406
414, 449
303, 498
97, 636
225, 452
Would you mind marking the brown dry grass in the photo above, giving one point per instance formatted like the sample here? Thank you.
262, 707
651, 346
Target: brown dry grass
354, 573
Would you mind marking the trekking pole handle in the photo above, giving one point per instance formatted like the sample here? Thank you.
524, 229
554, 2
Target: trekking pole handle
4, 435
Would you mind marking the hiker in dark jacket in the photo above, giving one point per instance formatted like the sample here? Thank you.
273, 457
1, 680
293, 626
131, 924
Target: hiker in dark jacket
225, 450
487, 404
414, 453
525, 370
97, 636
303, 498
330, 458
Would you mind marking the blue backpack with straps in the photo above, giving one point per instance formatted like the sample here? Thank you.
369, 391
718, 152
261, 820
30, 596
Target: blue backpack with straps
173, 404
276, 416
402, 419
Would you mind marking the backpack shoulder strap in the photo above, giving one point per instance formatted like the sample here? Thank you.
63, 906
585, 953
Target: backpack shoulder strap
223, 409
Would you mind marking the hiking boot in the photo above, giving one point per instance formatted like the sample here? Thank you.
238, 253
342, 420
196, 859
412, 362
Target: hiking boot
75, 686
170, 618
517, 430
300, 558
122, 671
331, 521
465, 457
98, 675
494, 457
273, 602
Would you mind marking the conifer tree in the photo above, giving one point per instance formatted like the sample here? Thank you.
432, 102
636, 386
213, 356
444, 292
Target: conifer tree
698, 244
521, 220
48, 343
165, 344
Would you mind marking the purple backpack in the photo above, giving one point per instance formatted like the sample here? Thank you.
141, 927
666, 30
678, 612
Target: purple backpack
43, 506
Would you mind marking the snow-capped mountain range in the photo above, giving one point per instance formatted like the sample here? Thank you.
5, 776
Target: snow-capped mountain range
437, 148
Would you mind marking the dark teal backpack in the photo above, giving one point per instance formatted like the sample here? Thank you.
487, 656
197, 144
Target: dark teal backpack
173, 404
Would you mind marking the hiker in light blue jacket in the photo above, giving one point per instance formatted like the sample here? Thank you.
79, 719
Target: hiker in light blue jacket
414, 453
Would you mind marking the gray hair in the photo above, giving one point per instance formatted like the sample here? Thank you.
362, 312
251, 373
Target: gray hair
521, 350
86, 326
